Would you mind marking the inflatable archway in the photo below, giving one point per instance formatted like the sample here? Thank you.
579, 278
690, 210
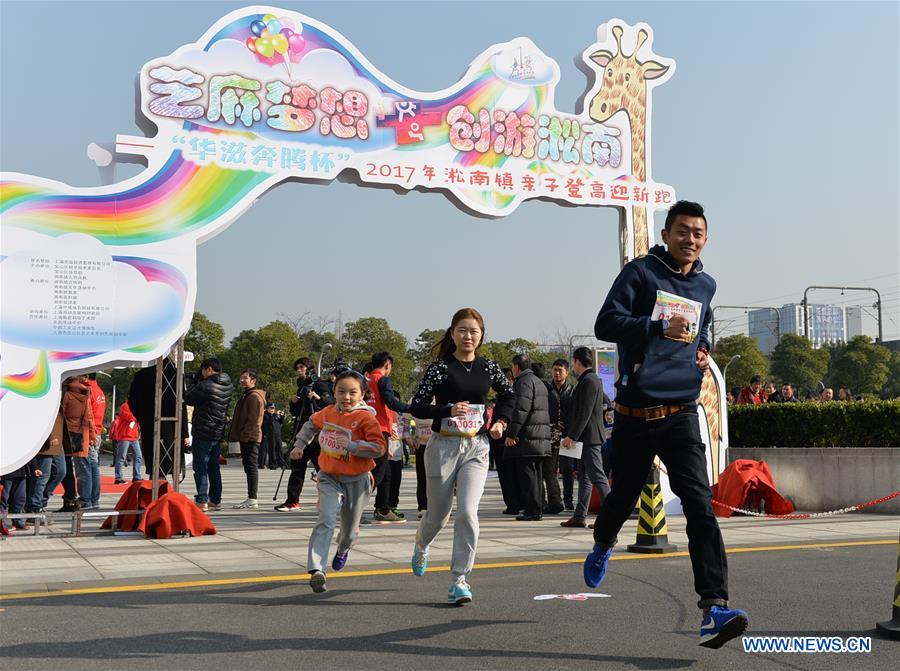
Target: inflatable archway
93, 277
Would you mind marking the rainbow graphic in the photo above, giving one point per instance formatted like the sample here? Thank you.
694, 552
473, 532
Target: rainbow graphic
32, 384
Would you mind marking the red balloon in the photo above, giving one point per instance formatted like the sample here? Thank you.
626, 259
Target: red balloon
251, 44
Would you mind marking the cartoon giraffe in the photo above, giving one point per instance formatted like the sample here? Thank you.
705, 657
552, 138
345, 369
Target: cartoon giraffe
624, 87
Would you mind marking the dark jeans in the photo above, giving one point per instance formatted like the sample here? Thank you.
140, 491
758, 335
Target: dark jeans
14, 497
396, 468
551, 482
590, 474
36, 484
58, 472
509, 482
382, 475
676, 439
421, 481
567, 466
298, 471
529, 474
250, 458
207, 471
70, 492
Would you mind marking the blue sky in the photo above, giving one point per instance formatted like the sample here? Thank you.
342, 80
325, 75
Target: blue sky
781, 118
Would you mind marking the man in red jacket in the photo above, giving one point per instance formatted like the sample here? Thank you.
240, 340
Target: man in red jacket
386, 403
125, 434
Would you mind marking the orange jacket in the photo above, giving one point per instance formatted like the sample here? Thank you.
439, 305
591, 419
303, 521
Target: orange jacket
363, 427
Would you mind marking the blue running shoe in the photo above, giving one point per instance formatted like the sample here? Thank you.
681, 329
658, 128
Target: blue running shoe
419, 561
595, 565
340, 560
459, 593
721, 624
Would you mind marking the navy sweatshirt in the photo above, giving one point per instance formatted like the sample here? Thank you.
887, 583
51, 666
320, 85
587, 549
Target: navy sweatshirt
654, 370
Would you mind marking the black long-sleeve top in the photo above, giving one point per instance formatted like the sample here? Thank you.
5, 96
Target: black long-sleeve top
449, 381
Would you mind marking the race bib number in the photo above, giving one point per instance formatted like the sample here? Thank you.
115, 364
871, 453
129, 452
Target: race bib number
333, 440
423, 433
466, 426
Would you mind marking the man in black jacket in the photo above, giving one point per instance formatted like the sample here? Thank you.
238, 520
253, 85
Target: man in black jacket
585, 425
560, 402
528, 436
658, 313
312, 395
210, 397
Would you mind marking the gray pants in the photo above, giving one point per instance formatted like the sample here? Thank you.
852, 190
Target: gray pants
590, 471
344, 496
460, 463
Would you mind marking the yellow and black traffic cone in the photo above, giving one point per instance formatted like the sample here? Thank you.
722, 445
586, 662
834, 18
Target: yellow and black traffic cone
652, 530
891, 628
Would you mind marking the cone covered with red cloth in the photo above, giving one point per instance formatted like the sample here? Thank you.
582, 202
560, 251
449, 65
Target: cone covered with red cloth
744, 484
173, 514
137, 497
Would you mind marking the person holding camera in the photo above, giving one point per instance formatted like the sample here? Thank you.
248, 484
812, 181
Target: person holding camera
210, 396
312, 395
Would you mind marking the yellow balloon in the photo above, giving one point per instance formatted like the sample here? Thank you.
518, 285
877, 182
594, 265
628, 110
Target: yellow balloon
280, 43
268, 17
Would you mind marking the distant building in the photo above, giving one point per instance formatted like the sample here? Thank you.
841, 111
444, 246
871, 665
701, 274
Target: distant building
827, 325
854, 321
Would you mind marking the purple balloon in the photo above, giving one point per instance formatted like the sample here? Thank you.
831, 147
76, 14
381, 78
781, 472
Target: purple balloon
257, 27
287, 32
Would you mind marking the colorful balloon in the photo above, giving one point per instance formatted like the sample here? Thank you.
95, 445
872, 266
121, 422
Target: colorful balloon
251, 44
268, 17
287, 22
266, 34
280, 43
257, 27
287, 32
264, 47
274, 26
296, 44
299, 28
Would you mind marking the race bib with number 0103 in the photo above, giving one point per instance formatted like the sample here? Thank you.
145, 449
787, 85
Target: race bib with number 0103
466, 426
333, 440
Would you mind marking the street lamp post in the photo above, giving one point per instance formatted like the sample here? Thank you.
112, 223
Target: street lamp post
319, 365
725, 370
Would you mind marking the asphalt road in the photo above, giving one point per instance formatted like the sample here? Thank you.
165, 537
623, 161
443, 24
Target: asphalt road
371, 622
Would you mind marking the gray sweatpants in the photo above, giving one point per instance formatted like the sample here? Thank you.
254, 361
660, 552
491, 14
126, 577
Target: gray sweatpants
338, 495
460, 463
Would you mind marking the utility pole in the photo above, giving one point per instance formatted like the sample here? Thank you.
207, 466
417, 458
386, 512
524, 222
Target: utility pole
745, 308
805, 304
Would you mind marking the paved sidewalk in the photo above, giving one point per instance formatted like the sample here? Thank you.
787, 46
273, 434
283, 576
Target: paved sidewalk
265, 542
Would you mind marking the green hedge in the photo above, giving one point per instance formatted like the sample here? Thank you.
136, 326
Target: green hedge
858, 424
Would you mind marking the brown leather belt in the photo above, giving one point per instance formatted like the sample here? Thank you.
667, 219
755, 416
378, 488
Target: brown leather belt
649, 414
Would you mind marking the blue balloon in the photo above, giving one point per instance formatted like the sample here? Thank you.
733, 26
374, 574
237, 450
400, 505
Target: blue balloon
274, 26
257, 27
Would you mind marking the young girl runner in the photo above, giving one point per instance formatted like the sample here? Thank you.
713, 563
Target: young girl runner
350, 440
457, 453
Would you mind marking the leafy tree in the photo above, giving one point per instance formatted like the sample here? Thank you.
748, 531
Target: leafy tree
860, 365
271, 350
752, 361
891, 389
794, 360
205, 338
370, 335
315, 343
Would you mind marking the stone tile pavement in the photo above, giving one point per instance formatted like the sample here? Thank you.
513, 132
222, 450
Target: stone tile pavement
265, 542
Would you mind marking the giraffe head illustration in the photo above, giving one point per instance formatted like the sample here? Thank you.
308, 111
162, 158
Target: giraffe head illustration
624, 81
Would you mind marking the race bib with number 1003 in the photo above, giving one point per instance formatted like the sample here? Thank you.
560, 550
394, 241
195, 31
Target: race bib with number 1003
466, 426
333, 440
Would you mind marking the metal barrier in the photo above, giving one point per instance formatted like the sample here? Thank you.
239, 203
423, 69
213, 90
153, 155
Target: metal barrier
77, 517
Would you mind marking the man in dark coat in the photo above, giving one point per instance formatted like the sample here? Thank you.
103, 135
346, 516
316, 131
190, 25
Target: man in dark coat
141, 400
312, 395
271, 451
560, 402
528, 436
210, 396
585, 426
